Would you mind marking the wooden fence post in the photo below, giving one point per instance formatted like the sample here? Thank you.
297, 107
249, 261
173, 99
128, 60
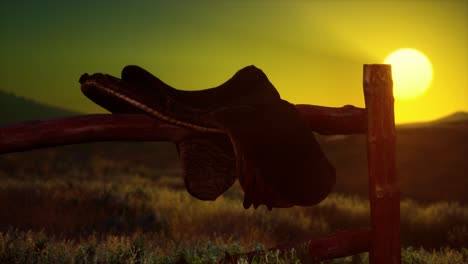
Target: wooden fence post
384, 190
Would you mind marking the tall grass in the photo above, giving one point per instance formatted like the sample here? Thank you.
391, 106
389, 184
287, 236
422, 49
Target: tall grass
139, 204
36, 247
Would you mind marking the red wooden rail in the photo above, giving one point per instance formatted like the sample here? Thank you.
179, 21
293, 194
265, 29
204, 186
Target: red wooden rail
133, 127
339, 244
382, 240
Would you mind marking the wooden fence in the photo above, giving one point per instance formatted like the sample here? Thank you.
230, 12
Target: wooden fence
381, 239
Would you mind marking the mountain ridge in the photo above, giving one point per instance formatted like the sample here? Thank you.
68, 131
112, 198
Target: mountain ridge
454, 117
15, 109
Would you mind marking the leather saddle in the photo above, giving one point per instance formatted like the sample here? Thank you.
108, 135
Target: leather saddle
249, 133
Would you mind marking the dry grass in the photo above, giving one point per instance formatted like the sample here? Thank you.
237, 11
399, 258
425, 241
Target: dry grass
138, 204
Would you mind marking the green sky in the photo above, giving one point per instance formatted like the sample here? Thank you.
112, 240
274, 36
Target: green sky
312, 51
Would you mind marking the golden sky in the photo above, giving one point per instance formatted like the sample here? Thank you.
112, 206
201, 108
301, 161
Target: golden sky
312, 51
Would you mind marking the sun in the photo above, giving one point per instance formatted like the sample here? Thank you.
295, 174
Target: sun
411, 72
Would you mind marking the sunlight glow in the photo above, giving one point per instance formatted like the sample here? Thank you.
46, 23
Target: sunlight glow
412, 73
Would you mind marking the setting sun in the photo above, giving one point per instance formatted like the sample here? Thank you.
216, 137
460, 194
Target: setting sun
412, 72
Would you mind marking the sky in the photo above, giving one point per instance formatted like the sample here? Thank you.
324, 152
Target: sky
312, 51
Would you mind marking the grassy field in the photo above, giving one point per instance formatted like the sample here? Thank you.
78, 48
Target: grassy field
94, 209
30, 247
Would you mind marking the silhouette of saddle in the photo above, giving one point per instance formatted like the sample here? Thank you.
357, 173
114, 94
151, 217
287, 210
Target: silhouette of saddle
251, 134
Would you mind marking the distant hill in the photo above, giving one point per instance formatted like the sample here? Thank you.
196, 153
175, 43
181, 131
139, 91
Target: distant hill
455, 117
459, 116
15, 109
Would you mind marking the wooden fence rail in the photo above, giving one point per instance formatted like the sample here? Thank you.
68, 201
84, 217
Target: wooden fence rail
126, 127
336, 245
